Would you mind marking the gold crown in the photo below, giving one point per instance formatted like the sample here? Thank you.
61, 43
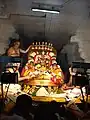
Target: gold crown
43, 46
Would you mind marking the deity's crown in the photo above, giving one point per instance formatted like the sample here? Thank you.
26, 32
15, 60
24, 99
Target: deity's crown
43, 46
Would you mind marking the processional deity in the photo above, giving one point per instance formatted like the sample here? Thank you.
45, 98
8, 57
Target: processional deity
42, 66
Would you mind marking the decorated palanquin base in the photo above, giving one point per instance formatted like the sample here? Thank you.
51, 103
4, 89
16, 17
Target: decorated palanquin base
42, 68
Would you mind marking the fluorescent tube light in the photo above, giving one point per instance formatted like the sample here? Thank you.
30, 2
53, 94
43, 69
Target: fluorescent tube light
45, 11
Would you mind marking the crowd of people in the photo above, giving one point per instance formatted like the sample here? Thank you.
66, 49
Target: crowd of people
24, 109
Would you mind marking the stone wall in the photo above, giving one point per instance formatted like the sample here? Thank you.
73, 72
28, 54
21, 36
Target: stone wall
82, 37
79, 47
72, 52
6, 31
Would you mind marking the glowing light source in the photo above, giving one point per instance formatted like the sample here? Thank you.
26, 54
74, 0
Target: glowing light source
45, 11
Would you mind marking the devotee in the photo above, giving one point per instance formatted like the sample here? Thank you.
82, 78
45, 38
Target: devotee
68, 85
21, 110
14, 49
15, 69
72, 73
74, 109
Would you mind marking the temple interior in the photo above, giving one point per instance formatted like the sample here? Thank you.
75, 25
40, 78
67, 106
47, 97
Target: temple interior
44, 51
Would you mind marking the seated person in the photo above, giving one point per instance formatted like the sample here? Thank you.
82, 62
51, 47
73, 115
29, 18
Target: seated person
15, 69
21, 110
68, 85
71, 73
74, 109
